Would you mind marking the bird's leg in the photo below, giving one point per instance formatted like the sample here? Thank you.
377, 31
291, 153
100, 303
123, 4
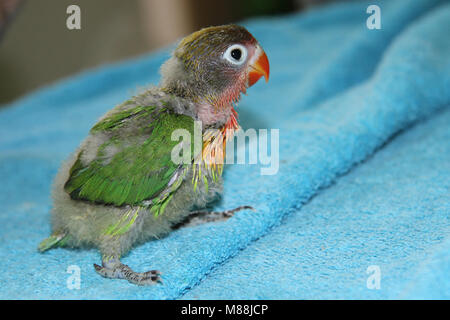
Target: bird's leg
115, 241
200, 217
114, 269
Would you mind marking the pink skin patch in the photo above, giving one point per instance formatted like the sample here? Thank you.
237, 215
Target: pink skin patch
210, 115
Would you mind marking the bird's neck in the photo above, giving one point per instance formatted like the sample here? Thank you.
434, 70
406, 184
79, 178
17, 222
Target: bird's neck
215, 142
213, 116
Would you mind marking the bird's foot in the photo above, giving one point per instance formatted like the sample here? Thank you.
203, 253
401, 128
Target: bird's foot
200, 217
118, 270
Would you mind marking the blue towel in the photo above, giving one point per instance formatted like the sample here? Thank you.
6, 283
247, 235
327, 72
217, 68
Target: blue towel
338, 94
392, 213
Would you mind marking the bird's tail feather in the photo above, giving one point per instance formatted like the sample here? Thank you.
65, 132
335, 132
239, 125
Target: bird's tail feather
55, 240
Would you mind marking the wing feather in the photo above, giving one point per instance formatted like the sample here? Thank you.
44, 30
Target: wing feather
141, 168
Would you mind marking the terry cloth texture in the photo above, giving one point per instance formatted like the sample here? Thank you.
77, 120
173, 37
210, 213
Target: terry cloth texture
339, 94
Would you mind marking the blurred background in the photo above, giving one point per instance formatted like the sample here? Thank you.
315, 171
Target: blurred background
36, 47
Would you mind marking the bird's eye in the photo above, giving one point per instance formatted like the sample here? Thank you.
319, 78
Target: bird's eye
236, 54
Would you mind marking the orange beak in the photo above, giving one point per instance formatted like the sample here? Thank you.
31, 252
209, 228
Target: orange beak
259, 68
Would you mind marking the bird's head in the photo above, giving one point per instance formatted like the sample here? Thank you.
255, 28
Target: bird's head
215, 65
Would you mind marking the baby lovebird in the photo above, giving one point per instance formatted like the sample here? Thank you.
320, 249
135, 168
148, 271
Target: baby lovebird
121, 186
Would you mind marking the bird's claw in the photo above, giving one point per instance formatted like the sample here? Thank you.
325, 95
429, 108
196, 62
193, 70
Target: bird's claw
122, 271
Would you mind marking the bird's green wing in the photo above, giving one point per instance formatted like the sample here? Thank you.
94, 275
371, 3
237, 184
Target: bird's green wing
134, 163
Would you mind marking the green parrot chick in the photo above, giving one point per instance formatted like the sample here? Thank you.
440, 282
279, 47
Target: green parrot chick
121, 187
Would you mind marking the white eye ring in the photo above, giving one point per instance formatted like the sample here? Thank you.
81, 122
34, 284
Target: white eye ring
230, 54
